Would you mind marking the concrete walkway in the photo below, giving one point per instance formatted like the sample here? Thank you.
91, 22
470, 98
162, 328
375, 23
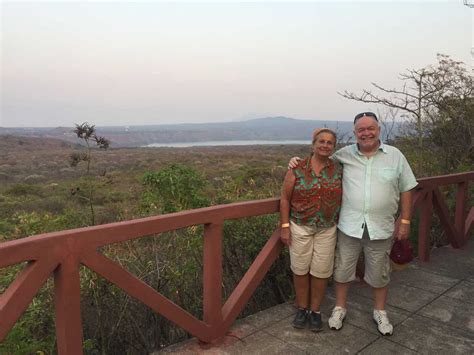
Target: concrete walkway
430, 304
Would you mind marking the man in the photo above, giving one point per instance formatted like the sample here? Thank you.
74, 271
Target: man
376, 180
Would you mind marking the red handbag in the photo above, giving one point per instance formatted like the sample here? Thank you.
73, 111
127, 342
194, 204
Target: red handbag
402, 252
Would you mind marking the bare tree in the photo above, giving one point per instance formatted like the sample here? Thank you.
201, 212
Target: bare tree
430, 98
388, 121
423, 93
343, 137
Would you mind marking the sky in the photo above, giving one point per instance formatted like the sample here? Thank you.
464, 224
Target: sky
156, 62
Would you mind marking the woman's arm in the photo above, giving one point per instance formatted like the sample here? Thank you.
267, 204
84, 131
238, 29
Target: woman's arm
286, 192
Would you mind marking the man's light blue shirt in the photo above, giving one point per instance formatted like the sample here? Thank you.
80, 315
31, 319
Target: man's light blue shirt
371, 190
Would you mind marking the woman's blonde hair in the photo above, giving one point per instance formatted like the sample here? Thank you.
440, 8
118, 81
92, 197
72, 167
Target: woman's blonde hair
318, 131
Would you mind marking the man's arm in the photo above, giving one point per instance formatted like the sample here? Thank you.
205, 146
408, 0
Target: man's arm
294, 162
406, 199
286, 192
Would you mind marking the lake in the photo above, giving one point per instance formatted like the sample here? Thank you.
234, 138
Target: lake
223, 143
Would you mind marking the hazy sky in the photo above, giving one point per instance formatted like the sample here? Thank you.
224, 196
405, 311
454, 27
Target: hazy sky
127, 62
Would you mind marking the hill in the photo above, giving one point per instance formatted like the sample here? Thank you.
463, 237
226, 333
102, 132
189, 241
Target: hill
269, 128
27, 143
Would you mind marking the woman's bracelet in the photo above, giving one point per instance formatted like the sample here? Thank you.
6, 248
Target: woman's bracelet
285, 225
405, 221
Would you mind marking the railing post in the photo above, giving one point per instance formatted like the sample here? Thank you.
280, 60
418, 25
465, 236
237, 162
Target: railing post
426, 215
67, 301
212, 298
460, 214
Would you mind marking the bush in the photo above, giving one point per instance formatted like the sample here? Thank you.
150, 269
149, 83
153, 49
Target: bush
35, 331
24, 190
174, 188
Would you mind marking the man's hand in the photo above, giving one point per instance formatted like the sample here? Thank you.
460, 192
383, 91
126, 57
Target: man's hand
285, 236
402, 231
294, 162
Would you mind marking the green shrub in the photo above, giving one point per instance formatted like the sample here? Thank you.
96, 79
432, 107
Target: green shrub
24, 190
174, 188
35, 331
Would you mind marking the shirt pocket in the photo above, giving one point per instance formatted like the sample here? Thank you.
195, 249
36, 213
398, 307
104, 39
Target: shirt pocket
387, 175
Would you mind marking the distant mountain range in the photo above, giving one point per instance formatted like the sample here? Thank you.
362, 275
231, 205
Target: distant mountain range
268, 128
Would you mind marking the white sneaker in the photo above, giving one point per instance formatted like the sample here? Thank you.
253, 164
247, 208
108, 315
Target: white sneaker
337, 316
383, 324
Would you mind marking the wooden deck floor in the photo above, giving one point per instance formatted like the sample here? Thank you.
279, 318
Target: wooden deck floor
430, 304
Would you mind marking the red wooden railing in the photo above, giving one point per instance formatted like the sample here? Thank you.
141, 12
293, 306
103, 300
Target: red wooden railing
62, 254
428, 196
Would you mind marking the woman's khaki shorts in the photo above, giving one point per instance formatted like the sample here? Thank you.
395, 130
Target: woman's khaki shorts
312, 250
376, 255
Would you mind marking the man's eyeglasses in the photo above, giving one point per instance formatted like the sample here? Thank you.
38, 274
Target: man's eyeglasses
365, 114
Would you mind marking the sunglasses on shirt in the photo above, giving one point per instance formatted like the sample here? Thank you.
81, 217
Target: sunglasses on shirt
365, 114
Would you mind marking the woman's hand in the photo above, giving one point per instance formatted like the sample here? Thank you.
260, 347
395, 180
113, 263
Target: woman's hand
285, 236
294, 162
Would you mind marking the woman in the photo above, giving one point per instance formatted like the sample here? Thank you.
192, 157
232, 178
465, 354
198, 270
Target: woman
309, 209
